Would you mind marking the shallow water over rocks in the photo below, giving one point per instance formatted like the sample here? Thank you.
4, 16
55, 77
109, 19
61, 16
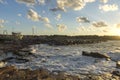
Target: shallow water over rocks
70, 59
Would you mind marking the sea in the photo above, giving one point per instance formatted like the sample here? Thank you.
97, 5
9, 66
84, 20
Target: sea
69, 58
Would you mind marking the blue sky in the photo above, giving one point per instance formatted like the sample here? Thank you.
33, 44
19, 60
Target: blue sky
63, 17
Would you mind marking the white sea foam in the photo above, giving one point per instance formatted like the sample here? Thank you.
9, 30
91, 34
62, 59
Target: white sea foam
70, 59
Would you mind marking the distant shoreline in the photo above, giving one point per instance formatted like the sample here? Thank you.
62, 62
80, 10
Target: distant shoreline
55, 39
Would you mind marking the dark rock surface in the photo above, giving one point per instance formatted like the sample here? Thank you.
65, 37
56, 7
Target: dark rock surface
95, 54
117, 73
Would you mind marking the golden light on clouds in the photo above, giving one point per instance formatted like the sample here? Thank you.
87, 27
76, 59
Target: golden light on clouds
115, 30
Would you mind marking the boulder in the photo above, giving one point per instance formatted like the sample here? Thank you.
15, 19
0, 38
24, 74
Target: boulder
95, 54
2, 64
118, 64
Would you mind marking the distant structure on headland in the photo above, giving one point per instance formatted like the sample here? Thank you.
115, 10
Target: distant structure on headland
17, 35
13, 38
5, 32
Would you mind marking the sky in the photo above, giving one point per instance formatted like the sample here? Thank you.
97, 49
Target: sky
60, 17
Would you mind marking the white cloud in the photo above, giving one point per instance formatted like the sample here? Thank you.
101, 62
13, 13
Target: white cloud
48, 25
108, 7
99, 24
81, 28
89, 0
17, 23
31, 2
63, 5
1, 1
41, 1
1, 26
104, 1
2, 22
61, 27
58, 17
73, 4
118, 25
28, 2
105, 30
45, 19
19, 15
82, 20
34, 16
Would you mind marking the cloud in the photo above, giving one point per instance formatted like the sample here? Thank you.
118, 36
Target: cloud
99, 24
108, 7
58, 17
1, 1
34, 16
62, 5
82, 20
104, 1
48, 25
105, 31
89, 1
2, 22
17, 23
73, 4
19, 15
118, 25
28, 2
81, 28
41, 1
1, 26
57, 9
61, 27
45, 19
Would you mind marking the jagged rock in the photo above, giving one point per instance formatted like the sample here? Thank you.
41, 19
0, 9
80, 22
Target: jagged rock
95, 54
23, 53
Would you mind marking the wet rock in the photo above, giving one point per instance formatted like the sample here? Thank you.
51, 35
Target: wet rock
12, 73
66, 76
118, 64
93, 77
43, 60
117, 73
20, 53
15, 59
2, 64
95, 54
20, 60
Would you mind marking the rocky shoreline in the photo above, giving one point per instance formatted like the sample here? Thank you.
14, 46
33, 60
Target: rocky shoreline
12, 73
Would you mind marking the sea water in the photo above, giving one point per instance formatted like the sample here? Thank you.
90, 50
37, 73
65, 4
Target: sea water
70, 59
